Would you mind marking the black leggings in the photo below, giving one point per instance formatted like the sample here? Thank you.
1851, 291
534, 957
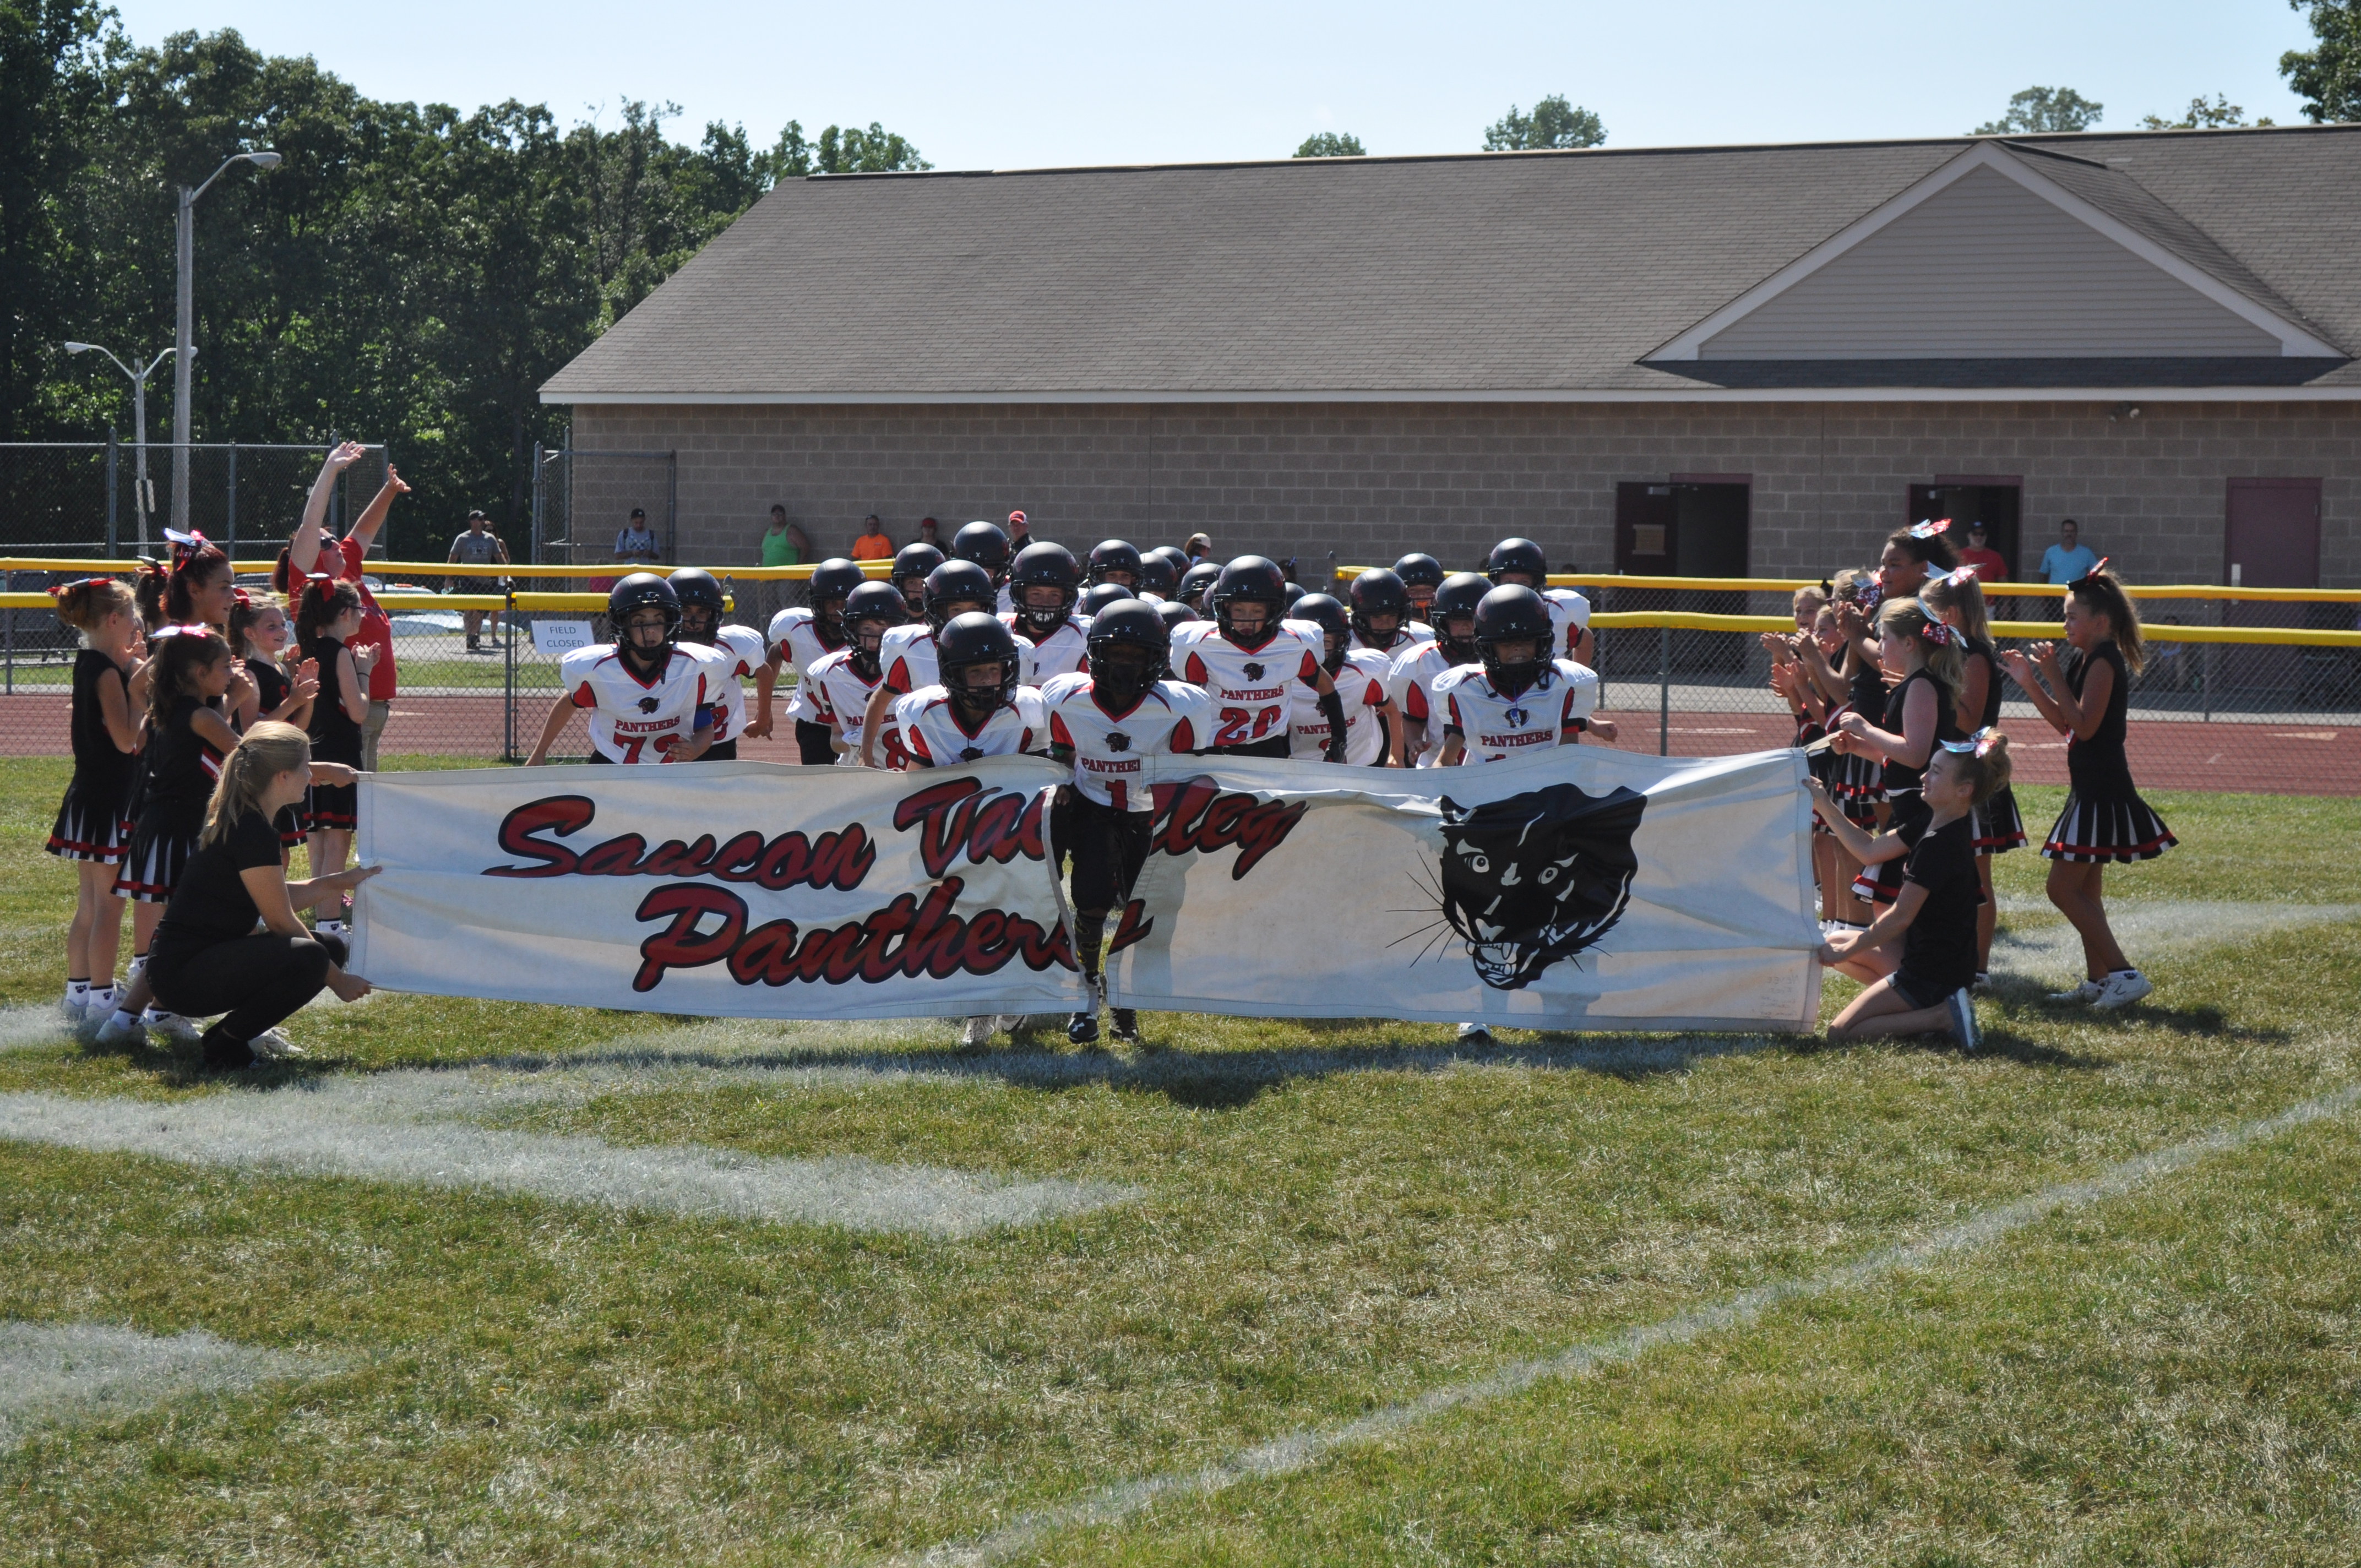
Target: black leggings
257, 980
817, 743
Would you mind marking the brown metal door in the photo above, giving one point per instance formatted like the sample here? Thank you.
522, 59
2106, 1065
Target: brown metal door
2271, 541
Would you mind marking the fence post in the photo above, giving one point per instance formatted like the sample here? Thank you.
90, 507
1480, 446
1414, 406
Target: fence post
10, 616
508, 679
113, 454
229, 545
2208, 677
536, 503
1664, 691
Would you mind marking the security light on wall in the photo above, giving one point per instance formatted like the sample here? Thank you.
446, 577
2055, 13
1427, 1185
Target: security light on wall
2123, 411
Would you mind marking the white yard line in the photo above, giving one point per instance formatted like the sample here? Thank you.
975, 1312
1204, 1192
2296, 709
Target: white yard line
50, 1371
1301, 1450
310, 1135
2147, 931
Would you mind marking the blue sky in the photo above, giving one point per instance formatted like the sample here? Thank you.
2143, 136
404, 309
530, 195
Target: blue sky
981, 86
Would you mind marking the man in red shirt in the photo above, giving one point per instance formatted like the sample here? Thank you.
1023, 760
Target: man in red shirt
314, 543
1990, 567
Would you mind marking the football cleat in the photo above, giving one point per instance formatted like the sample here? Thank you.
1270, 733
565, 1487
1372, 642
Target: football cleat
1127, 1025
1475, 1035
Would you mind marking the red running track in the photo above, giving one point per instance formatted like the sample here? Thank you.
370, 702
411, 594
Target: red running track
2290, 758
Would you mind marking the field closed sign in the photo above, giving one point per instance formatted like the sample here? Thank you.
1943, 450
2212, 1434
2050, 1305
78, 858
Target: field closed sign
560, 636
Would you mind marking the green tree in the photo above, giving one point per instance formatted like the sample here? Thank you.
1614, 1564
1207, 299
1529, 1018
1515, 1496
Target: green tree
1555, 123
2328, 76
1332, 144
2039, 110
852, 150
2221, 113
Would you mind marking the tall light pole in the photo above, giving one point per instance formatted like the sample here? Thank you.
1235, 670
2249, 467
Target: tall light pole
143, 495
183, 338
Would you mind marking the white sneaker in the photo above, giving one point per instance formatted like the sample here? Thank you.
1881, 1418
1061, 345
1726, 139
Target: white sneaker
272, 1046
978, 1030
172, 1025
1007, 1023
2122, 990
74, 1010
116, 1032
1962, 1009
2089, 990
1474, 1033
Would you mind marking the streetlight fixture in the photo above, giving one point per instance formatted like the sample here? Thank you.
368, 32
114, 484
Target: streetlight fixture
143, 493
182, 337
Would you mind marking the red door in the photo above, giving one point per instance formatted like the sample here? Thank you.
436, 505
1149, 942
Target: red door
2271, 541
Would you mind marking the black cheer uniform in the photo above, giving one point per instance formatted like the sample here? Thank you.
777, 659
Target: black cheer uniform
208, 958
1939, 950
1998, 825
2105, 818
296, 822
1879, 883
94, 819
1857, 780
336, 737
181, 767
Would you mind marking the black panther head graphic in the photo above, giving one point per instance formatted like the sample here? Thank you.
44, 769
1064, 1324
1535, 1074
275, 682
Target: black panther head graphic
1537, 877
649, 705
1253, 670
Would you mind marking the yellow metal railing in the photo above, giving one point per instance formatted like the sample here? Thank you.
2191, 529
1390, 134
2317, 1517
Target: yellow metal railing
2016, 590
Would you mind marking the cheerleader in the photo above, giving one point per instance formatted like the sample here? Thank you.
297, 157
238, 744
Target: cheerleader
326, 620
187, 736
1915, 555
2085, 695
194, 587
260, 635
93, 826
1918, 961
1958, 599
1857, 674
1922, 654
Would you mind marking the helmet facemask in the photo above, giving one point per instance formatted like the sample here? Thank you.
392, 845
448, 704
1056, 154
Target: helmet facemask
1041, 620
1513, 677
868, 640
1122, 671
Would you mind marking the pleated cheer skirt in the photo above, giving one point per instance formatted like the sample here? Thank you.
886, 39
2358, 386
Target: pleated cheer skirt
92, 825
1996, 826
159, 852
2107, 830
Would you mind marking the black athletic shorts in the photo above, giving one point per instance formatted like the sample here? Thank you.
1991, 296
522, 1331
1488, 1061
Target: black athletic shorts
724, 751
1109, 847
1276, 746
817, 743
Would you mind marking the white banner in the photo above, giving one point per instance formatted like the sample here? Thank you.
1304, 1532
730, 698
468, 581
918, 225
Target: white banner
721, 888
1583, 889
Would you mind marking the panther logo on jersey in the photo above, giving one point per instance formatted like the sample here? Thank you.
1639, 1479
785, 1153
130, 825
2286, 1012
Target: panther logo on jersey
1254, 672
1117, 741
649, 705
1538, 877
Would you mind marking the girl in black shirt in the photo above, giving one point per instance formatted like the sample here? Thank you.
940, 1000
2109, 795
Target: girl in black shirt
1958, 599
259, 630
327, 619
1921, 654
208, 957
94, 826
2086, 697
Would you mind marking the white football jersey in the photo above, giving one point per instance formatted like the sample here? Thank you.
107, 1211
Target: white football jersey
1253, 688
1068, 649
923, 729
906, 655
1173, 716
1361, 684
742, 649
1496, 727
1570, 614
635, 721
839, 697
794, 636
1415, 671
1412, 633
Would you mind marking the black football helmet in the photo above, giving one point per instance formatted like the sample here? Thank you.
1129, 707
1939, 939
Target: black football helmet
879, 604
1513, 613
968, 639
1295, 592
1042, 565
957, 582
1129, 623
1249, 579
1419, 570
1379, 592
1098, 595
639, 591
909, 573
1175, 613
1518, 556
1455, 601
832, 580
985, 544
697, 588
1111, 555
1195, 582
1171, 556
1156, 576
1328, 615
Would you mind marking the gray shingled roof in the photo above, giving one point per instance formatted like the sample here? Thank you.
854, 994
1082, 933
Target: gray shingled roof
1487, 274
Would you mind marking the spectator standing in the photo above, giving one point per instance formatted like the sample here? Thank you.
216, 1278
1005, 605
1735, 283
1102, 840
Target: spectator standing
2069, 560
315, 548
478, 546
784, 543
1990, 567
873, 544
1020, 532
1198, 548
636, 546
930, 533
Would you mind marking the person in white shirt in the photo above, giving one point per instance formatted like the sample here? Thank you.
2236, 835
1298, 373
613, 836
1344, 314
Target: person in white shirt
1104, 721
1418, 667
649, 699
906, 656
844, 687
1044, 582
799, 636
743, 655
1372, 724
1251, 662
1521, 560
1519, 698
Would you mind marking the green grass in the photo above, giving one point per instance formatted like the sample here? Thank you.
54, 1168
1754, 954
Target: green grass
2166, 1377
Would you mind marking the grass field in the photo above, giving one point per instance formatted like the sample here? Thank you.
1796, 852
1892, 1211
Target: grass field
1311, 1226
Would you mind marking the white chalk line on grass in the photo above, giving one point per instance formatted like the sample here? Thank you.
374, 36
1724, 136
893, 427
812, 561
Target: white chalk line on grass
1301, 1450
305, 1135
50, 1371
2147, 931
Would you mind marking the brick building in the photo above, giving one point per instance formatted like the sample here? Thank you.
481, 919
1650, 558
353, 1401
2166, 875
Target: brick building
1709, 361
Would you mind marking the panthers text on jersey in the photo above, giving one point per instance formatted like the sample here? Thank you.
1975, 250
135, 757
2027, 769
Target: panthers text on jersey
795, 641
1171, 716
923, 729
741, 648
1495, 727
838, 695
635, 721
1415, 671
1253, 688
1068, 649
1413, 633
1361, 682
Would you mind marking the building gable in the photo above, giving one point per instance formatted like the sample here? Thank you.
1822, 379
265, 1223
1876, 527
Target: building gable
1990, 257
